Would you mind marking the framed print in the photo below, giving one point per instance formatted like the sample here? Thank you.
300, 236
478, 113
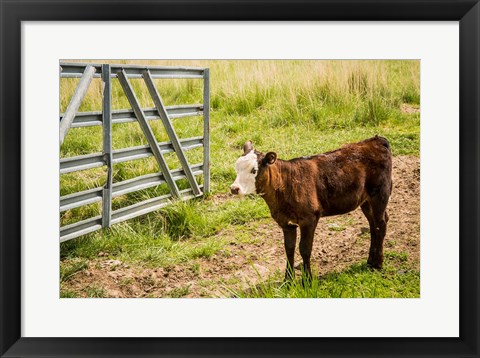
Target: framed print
263, 82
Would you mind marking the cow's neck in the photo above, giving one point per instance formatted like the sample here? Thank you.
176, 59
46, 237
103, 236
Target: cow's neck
274, 191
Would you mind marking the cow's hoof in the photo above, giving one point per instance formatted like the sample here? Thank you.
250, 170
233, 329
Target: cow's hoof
306, 281
289, 277
374, 265
287, 282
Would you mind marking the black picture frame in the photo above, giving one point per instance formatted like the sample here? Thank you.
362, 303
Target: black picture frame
12, 13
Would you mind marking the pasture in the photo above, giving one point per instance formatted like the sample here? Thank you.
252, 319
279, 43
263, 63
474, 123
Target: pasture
225, 246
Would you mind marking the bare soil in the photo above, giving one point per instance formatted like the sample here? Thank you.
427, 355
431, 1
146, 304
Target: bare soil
339, 242
408, 108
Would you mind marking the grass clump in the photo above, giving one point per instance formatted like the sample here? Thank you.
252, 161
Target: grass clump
64, 293
67, 270
357, 281
95, 291
179, 292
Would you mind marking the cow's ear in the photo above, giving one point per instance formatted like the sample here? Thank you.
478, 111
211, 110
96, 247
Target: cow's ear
270, 158
247, 147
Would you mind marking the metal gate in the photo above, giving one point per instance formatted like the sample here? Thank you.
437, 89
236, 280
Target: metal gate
107, 117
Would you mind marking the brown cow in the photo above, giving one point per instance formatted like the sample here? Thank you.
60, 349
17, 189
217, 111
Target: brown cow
300, 191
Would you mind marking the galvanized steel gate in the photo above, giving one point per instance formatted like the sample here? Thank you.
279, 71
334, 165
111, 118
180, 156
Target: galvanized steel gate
109, 157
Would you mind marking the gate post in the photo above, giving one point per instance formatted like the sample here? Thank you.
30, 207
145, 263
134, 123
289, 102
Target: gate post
107, 144
206, 130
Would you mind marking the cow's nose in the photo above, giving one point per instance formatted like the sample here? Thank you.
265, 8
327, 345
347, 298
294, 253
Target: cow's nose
234, 189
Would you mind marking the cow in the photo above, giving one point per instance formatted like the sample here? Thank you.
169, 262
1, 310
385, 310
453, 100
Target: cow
300, 191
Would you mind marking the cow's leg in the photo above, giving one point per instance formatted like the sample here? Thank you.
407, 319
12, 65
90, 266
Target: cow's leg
290, 239
377, 218
307, 231
367, 210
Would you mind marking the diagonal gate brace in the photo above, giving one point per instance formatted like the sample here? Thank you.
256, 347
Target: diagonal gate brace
157, 100
76, 101
147, 131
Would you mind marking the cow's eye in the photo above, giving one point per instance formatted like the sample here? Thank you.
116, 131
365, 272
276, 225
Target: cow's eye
254, 171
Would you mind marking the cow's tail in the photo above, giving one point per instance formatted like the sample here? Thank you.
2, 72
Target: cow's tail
384, 142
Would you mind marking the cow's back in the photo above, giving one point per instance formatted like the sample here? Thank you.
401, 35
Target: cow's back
349, 175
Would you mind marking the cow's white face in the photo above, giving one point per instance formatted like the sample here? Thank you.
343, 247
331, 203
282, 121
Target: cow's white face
247, 169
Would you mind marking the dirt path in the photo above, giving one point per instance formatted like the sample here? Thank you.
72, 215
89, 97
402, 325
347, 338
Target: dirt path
339, 242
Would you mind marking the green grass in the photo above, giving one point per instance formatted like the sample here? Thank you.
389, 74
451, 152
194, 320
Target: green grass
95, 291
68, 269
179, 292
395, 280
64, 293
295, 108
176, 234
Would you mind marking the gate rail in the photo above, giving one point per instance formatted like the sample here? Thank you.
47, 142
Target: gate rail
109, 157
